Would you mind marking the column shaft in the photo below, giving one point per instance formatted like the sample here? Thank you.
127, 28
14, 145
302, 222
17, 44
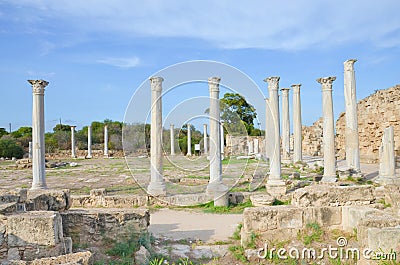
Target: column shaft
269, 127
387, 166
172, 139
222, 139
352, 142
205, 139
328, 130
89, 143
157, 184
285, 125
189, 140
38, 128
73, 154
297, 127
106, 141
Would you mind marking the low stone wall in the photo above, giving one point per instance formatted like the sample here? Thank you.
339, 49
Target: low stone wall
237, 145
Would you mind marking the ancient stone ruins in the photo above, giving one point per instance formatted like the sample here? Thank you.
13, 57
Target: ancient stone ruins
315, 189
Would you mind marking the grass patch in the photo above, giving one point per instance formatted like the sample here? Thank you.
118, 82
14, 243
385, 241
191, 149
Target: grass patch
239, 208
236, 234
312, 233
238, 253
279, 202
383, 202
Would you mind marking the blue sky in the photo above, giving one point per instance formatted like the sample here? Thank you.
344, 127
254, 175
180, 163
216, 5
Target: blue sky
96, 54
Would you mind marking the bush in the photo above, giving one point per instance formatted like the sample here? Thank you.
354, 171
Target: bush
9, 148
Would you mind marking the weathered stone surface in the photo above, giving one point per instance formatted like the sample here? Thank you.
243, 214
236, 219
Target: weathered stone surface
262, 200
142, 256
17, 195
39, 227
99, 226
333, 195
79, 258
237, 145
6, 208
352, 216
48, 200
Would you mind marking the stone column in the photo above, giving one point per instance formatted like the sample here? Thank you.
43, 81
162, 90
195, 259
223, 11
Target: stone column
205, 139
250, 147
73, 154
30, 150
256, 146
189, 141
275, 184
222, 141
297, 127
285, 126
172, 139
215, 187
269, 127
89, 142
352, 143
105, 141
38, 128
157, 185
387, 166
328, 130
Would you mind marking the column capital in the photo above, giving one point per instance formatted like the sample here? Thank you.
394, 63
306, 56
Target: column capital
349, 64
73, 127
171, 125
285, 90
296, 88
273, 82
213, 83
38, 86
155, 83
326, 82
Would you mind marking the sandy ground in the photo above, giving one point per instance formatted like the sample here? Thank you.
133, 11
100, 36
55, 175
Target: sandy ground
191, 225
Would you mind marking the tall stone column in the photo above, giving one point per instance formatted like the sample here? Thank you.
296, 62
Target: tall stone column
38, 150
250, 146
89, 142
256, 146
387, 166
215, 187
285, 126
269, 127
157, 185
73, 154
205, 139
189, 140
297, 127
352, 142
172, 139
275, 184
328, 130
222, 140
30, 150
105, 141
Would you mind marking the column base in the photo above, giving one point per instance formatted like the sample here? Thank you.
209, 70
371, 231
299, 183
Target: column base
329, 179
88, 157
39, 187
157, 189
219, 192
276, 187
386, 180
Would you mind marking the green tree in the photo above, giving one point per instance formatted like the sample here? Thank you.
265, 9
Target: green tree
62, 127
21, 132
9, 148
3, 132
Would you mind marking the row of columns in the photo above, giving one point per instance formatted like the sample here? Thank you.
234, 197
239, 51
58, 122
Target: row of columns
89, 135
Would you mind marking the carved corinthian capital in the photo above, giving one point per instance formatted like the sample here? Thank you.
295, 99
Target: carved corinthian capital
38, 86
326, 82
156, 83
349, 64
273, 82
213, 83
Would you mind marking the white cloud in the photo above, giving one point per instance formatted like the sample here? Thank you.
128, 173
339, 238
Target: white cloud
285, 25
121, 62
39, 74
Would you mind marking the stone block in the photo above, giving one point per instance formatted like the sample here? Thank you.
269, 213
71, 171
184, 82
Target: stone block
325, 216
262, 200
48, 200
383, 239
37, 228
81, 258
260, 219
352, 216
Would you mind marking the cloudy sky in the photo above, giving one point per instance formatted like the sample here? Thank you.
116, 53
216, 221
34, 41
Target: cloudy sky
96, 54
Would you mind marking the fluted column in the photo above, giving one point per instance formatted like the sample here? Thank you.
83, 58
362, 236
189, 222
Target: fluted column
157, 185
328, 130
189, 140
89, 142
105, 140
275, 183
352, 142
30, 150
297, 127
285, 126
215, 187
73, 154
172, 139
38, 128
205, 139
269, 127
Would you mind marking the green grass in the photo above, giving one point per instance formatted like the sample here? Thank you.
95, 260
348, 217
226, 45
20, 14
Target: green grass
238, 253
312, 233
239, 208
278, 202
236, 234
385, 205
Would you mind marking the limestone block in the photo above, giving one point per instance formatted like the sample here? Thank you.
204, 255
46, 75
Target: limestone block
383, 239
260, 219
37, 228
352, 215
325, 216
10, 207
98, 226
262, 200
81, 258
48, 200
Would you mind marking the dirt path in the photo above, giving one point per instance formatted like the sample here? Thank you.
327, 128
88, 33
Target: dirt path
177, 225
